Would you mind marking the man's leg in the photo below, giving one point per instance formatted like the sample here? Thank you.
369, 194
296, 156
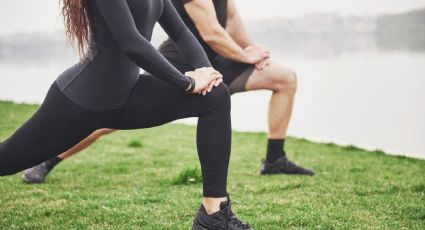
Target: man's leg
38, 173
282, 81
85, 143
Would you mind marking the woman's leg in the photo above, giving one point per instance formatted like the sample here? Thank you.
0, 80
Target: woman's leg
56, 126
154, 102
38, 173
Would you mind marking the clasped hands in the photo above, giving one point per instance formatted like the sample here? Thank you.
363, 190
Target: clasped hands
205, 79
258, 56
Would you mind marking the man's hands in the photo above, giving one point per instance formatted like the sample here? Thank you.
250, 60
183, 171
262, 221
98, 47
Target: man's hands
205, 79
257, 55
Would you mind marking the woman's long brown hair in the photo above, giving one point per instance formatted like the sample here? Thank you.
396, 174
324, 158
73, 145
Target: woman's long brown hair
76, 23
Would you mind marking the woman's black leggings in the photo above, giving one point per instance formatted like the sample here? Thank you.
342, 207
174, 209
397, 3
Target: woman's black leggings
59, 124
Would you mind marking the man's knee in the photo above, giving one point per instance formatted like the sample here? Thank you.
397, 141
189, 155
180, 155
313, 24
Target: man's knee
286, 81
105, 131
98, 133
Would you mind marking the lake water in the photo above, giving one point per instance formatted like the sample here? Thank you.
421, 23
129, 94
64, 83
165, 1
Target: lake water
374, 100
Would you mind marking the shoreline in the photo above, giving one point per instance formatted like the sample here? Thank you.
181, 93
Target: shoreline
348, 147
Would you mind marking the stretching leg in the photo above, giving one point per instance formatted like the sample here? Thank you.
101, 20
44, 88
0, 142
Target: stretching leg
38, 173
154, 102
282, 81
57, 125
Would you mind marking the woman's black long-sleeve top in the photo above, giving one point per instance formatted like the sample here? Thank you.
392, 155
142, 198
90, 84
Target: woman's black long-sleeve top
120, 31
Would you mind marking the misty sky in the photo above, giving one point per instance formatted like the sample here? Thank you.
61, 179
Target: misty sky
43, 15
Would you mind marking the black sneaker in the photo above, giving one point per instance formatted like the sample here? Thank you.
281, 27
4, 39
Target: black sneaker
38, 173
223, 219
284, 166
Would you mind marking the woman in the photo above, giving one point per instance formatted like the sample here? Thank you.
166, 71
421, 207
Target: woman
104, 90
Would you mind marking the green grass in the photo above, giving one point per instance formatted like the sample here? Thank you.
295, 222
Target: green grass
120, 183
188, 176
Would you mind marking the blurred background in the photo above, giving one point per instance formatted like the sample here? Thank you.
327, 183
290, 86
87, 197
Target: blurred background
361, 66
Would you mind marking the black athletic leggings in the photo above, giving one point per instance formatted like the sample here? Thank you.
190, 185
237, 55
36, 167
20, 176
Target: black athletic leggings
59, 124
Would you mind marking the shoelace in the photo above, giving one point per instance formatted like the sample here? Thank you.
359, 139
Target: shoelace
234, 220
237, 222
291, 164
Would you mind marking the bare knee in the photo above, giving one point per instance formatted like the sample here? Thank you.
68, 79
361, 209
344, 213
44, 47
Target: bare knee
105, 131
286, 82
100, 132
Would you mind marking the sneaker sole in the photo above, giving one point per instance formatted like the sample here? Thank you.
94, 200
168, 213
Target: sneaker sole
198, 227
290, 174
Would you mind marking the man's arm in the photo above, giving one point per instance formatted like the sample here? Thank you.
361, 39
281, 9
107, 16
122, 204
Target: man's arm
186, 43
203, 14
235, 27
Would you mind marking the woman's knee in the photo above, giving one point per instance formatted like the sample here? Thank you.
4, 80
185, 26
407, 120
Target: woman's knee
219, 98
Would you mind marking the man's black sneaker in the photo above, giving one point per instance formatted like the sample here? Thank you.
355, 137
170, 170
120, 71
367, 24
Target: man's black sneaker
284, 166
223, 219
38, 173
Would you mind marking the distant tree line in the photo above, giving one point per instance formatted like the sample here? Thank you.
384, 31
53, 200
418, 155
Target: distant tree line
401, 31
325, 34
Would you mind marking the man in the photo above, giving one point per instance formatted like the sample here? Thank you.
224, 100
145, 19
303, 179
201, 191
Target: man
245, 67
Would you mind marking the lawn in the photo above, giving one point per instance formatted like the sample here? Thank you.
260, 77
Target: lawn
148, 179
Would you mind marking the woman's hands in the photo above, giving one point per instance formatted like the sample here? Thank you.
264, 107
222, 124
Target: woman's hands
205, 79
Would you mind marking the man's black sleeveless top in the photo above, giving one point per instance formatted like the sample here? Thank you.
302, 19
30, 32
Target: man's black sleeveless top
120, 34
169, 47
